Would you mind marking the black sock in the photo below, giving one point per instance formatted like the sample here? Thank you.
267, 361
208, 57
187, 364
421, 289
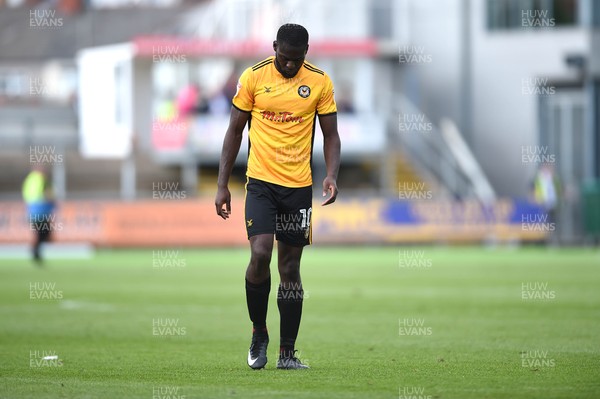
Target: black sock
257, 298
289, 302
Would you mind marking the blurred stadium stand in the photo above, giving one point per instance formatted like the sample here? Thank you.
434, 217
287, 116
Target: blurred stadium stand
38, 94
472, 94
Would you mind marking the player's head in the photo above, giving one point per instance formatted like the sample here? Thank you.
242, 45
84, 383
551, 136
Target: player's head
290, 48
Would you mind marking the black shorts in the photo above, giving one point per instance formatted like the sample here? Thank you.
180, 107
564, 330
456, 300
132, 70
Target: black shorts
283, 211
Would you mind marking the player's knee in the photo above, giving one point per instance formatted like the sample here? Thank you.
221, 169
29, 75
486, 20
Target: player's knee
261, 257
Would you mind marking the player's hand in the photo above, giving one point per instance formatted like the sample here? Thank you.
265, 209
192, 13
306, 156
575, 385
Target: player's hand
329, 186
223, 198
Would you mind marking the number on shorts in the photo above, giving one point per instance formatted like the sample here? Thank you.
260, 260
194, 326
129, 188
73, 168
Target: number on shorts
306, 214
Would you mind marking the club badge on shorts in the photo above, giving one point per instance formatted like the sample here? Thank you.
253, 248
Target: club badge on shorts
304, 91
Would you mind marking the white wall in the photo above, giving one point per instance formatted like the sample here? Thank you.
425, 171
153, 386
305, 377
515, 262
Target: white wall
503, 119
105, 103
435, 29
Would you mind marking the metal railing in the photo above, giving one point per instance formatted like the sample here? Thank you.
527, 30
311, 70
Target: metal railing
440, 153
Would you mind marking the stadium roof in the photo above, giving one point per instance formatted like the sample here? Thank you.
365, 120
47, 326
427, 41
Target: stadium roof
148, 46
20, 42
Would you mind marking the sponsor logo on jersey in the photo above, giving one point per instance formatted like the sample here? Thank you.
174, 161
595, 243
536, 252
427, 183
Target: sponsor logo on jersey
281, 116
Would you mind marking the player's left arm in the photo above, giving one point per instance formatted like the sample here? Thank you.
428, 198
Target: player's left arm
331, 149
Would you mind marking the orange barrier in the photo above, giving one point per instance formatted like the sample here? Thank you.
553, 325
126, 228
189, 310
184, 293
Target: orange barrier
193, 222
139, 223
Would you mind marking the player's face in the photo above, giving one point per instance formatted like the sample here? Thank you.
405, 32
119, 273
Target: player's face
289, 59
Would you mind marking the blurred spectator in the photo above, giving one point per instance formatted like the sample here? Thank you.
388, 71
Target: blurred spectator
546, 188
37, 195
218, 104
230, 86
547, 191
167, 111
189, 100
343, 99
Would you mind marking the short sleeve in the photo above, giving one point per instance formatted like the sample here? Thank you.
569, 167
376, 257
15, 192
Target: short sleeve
326, 103
244, 95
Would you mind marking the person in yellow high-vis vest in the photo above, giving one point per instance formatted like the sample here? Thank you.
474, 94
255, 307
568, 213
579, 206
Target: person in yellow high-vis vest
548, 192
38, 199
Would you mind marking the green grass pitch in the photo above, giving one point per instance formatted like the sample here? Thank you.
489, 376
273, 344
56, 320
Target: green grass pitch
465, 323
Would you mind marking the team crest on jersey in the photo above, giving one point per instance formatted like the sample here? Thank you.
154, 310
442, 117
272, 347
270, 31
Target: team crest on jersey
304, 91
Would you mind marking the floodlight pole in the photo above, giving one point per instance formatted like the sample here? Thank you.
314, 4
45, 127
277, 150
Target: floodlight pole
59, 176
128, 181
466, 103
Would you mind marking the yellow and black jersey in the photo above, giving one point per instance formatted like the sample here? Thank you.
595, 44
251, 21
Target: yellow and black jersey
282, 120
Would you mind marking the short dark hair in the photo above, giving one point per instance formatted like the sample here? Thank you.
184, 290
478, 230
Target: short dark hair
293, 34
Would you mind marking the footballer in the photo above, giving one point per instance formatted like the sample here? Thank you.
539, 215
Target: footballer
280, 99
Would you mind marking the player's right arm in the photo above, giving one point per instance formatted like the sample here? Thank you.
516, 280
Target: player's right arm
231, 147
